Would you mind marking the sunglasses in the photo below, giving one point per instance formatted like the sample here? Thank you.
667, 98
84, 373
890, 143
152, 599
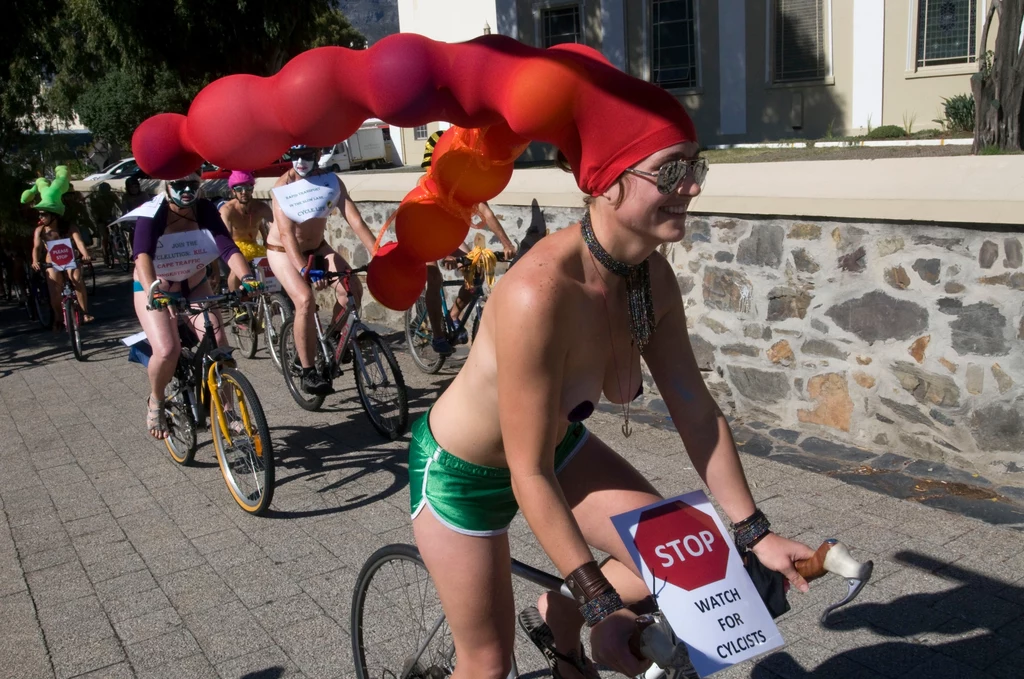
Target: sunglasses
671, 175
183, 185
304, 155
45, 216
243, 188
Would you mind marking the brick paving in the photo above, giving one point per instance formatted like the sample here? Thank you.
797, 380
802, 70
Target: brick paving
116, 562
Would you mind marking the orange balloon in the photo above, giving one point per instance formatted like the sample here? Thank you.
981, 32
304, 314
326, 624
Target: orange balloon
467, 175
394, 278
541, 97
427, 231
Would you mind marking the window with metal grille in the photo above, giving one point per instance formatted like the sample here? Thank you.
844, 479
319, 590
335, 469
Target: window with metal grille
946, 32
560, 25
674, 43
799, 41
419, 132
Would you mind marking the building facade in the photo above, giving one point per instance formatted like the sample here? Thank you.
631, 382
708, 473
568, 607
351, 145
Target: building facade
753, 70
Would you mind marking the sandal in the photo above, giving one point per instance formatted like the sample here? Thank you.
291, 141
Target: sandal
542, 637
156, 419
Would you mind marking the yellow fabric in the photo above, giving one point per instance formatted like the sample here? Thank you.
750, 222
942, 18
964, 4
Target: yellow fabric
251, 249
481, 261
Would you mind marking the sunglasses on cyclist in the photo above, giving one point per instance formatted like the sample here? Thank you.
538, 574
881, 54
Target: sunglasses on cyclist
304, 155
183, 185
240, 188
671, 175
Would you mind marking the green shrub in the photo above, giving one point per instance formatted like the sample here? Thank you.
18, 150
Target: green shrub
887, 132
959, 112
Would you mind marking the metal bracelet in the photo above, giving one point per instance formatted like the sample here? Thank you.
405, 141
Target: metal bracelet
600, 607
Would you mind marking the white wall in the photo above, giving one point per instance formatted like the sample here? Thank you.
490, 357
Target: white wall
447, 20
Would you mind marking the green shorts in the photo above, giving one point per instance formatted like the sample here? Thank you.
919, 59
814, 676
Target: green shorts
470, 499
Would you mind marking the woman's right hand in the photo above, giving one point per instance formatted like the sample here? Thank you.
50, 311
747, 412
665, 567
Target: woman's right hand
609, 641
36, 266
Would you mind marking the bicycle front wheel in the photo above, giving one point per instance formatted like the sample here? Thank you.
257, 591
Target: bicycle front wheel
398, 626
71, 320
242, 441
181, 422
418, 337
381, 386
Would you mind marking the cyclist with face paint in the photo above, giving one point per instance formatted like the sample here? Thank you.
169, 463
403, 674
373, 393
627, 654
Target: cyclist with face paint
291, 242
174, 246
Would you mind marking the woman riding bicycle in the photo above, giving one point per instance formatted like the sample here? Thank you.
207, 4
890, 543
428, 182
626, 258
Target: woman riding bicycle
568, 324
188, 233
52, 226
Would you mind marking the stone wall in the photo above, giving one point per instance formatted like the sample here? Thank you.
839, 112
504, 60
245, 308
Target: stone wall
895, 337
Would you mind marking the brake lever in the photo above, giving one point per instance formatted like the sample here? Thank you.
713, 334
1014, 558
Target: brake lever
834, 557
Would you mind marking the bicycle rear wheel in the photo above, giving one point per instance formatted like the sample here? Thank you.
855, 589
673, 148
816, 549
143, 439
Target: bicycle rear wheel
381, 386
396, 614
418, 337
245, 336
245, 453
278, 312
292, 370
41, 302
71, 320
181, 423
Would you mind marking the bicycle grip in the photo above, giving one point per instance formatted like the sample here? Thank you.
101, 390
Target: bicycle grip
814, 567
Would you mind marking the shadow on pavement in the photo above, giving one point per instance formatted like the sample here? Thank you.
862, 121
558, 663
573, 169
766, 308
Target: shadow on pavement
977, 615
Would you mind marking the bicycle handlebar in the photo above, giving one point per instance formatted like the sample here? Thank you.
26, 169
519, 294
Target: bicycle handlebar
325, 275
182, 304
654, 639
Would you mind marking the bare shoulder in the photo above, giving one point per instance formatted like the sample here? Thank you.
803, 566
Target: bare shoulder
283, 180
543, 285
264, 209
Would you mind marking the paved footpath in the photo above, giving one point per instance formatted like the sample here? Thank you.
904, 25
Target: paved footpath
116, 562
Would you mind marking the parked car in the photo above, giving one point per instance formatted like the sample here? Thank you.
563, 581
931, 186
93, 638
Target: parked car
366, 149
274, 169
122, 169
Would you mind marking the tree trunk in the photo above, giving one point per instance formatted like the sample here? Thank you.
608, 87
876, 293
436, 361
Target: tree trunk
998, 86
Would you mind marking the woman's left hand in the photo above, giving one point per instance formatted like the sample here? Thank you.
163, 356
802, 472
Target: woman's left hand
778, 553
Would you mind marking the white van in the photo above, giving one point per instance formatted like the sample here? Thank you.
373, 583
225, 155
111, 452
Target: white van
368, 148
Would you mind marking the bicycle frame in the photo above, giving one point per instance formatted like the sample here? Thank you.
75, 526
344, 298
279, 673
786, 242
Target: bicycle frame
346, 325
204, 369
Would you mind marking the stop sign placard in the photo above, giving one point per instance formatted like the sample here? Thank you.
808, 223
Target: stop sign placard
61, 254
682, 545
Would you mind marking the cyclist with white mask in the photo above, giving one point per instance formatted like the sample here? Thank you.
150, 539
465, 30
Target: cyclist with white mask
298, 231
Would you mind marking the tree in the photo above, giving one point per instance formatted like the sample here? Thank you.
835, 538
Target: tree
998, 86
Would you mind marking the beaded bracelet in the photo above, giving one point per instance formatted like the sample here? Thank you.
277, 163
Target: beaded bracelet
752, 530
600, 607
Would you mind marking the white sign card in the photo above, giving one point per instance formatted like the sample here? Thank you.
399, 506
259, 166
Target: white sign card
179, 256
62, 254
266, 274
310, 198
132, 340
693, 568
147, 209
